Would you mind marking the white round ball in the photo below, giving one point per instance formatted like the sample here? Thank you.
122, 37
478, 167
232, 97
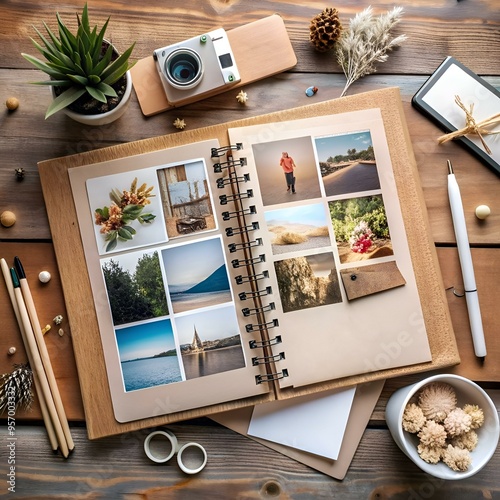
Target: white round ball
44, 276
482, 211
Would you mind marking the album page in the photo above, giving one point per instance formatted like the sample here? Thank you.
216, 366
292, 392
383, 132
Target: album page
343, 299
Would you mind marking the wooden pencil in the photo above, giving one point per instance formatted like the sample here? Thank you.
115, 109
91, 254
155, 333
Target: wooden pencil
42, 348
41, 400
38, 365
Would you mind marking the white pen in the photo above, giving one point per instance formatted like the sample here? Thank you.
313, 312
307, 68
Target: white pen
457, 214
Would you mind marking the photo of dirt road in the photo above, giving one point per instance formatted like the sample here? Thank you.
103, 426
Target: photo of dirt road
347, 163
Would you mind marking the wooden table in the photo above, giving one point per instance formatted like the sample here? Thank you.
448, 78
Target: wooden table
239, 467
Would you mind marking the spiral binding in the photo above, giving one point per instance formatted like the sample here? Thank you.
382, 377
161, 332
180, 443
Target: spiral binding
271, 376
234, 247
218, 152
221, 165
233, 180
225, 198
239, 213
251, 277
232, 231
254, 294
255, 344
265, 359
262, 326
247, 311
247, 262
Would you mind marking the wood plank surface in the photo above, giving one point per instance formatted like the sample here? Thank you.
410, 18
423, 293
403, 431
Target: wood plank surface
239, 468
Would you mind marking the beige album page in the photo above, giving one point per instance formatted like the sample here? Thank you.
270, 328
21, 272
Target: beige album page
326, 203
163, 283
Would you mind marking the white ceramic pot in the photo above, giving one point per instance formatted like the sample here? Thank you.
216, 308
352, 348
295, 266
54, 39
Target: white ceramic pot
110, 116
467, 393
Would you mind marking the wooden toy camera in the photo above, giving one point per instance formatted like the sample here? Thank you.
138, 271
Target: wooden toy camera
206, 65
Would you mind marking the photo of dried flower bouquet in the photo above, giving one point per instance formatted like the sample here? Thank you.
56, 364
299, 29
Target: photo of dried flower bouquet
126, 207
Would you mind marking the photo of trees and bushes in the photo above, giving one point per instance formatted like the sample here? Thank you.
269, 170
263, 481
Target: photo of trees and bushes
361, 228
135, 287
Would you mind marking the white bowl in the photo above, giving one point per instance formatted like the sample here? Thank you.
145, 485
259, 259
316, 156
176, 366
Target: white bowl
467, 393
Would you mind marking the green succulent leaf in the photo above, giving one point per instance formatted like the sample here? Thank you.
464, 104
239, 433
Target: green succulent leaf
99, 40
96, 93
94, 79
85, 19
55, 83
107, 89
104, 62
44, 67
77, 61
64, 100
55, 41
67, 38
52, 48
79, 80
117, 68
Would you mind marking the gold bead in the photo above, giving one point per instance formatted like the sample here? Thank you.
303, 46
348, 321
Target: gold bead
7, 218
12, 103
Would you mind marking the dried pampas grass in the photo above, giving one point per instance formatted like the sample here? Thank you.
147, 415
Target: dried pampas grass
366, 42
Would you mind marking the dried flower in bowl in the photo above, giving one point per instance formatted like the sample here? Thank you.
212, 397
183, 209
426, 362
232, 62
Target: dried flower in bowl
457, 422
432, 434
456, 458
413, 418
477, 415
446, 433
437, 400
467, 440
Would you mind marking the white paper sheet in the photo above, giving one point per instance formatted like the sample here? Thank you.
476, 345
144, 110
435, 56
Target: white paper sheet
314, 423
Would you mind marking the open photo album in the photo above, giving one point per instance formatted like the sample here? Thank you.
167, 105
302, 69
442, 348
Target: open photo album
278, 262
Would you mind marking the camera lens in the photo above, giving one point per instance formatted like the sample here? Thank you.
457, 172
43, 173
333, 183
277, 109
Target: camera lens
184, 68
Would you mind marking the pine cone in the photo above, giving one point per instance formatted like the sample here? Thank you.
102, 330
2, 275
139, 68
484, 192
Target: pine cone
325, 29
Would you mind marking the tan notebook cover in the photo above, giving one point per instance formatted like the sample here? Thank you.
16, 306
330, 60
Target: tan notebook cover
364, 402
78, 293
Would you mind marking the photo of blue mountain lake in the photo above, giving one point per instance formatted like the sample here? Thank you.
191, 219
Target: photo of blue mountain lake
196, 275
144, 373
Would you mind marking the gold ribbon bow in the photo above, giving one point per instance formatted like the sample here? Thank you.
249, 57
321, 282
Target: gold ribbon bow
472, 127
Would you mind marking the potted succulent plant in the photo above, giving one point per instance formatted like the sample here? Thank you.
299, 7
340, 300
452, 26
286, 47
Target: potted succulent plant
90, 81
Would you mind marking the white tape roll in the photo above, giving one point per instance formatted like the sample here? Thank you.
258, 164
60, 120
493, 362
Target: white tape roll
160, 446
192, 458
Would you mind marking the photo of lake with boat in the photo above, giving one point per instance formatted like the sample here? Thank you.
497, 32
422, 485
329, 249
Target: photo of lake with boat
210, 342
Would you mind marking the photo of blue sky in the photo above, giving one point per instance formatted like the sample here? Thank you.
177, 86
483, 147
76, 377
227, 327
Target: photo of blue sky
213, 324
334, 145
313, 215
144, 340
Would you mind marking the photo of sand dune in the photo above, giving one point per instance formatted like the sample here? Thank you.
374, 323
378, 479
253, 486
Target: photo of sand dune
298, 228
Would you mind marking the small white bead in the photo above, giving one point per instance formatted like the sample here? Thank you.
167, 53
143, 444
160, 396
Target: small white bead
482, 211
44, 276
